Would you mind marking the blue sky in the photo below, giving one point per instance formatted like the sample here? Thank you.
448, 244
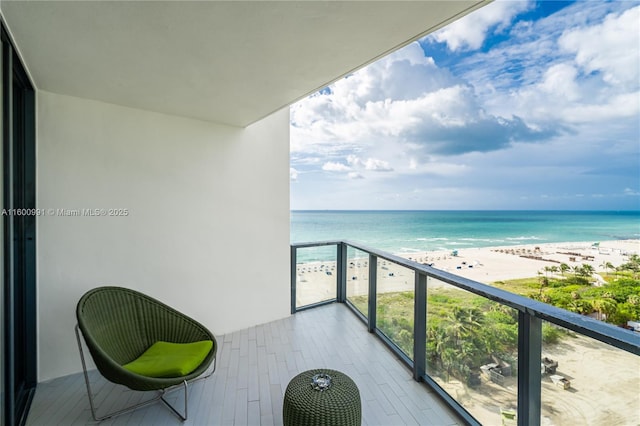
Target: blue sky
519, 105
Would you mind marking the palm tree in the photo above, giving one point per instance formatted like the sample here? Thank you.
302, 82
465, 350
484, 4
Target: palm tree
597, 306
463, 322
449, 357
606, 265
564, 268
580, 306
605, 306
610, 308
507, 310
466, 352
587, 269
577, 270
544, 281
473, 317
439, 339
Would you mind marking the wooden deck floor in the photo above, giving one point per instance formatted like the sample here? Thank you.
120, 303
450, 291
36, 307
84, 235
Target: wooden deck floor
254, 367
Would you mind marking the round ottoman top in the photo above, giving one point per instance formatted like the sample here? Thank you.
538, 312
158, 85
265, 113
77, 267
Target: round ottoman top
322, 397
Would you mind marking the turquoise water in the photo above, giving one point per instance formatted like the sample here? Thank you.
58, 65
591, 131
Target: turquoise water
413, 231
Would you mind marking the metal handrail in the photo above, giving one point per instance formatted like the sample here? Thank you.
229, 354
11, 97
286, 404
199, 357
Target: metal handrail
531, 313
601, 331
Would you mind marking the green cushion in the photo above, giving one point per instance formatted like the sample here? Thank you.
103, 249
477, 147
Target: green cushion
165, 359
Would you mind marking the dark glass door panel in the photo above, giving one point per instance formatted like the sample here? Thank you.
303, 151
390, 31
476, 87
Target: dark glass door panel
18, 250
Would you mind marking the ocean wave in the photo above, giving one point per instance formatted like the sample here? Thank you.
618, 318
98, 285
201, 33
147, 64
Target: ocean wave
410, 250
483, 240
523, 238
432, 239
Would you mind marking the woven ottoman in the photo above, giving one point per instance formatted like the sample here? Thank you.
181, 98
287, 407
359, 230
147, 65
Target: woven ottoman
322, 398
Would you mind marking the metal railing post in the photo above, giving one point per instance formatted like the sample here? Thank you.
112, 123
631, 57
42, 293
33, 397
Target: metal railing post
341, 295
373, 280
294, 255
420, 326
529, 374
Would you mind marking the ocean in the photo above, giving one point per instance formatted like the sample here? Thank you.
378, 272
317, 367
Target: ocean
419, 231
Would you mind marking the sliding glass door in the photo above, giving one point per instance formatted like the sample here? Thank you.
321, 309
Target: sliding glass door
18, 371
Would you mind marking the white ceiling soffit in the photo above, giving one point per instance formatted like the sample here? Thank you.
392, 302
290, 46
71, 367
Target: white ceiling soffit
231, 62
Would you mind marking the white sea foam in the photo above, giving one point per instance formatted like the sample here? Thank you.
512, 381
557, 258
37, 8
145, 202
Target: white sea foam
484, 240
524, 238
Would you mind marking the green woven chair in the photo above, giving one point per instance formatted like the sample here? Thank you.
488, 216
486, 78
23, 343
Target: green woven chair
119, 325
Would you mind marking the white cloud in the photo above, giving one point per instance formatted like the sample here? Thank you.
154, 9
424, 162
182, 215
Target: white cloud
559, 80
469, 32
293, 173
367, 106
548, 108
578, 66
377, 165
401, 106
610, 48
335, 167
616, 107
372, 164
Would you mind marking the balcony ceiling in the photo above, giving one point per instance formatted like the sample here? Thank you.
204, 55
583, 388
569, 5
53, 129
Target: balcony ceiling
228, 62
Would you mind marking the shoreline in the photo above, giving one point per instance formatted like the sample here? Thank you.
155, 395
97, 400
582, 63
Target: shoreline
487, 265
491, 264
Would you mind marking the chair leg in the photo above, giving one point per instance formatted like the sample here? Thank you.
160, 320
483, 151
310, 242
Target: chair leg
94, 413
160, 396
184, 384
172, 408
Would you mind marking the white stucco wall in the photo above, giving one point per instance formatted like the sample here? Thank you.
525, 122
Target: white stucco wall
208, 224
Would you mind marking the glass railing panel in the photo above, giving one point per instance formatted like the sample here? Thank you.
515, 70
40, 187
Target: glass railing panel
472, 351
358, 279
587, 382
395, 304
316, 275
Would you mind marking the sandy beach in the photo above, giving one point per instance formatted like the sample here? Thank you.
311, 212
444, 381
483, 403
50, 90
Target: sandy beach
316, 280
492, 264
605, 382
604, 388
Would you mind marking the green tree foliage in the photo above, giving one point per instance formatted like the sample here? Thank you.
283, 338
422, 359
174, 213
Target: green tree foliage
465, 331
616, 302
466, 337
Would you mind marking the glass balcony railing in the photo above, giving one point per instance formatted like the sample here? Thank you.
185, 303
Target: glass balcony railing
395, 300
493, 356
587, 382
357, 278
472, 350
315, 275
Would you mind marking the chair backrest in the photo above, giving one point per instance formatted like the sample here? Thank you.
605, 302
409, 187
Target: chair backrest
119, 324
